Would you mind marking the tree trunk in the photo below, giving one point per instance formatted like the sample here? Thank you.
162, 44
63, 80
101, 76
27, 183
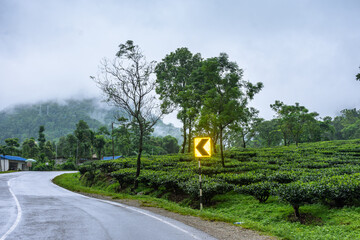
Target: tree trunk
297, 139
213, 145
215, 141
243, 139
184, 135
221, 148
138, 161
190, 135
296, 211
268, 142
284, 139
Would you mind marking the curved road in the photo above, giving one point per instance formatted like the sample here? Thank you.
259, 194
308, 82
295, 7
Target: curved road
32, 207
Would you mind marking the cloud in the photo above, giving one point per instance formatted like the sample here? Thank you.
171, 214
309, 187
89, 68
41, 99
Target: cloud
303, 51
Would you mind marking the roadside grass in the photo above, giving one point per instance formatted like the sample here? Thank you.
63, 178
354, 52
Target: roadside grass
8, 172
271, 218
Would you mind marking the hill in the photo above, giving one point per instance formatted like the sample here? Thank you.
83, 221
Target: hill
60, 119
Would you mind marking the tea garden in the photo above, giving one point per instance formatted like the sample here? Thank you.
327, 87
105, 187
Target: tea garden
310, 191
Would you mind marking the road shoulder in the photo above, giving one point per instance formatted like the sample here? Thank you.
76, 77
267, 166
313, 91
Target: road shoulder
219, 230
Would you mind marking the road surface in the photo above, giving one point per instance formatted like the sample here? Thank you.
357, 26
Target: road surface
32, 207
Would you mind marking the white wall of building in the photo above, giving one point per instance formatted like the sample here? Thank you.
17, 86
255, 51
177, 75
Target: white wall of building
4, 165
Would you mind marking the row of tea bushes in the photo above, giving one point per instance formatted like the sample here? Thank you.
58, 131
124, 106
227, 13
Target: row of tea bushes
286, 172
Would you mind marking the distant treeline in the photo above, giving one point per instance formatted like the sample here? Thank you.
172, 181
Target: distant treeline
86, 144
292, 128
60, 119
292, 125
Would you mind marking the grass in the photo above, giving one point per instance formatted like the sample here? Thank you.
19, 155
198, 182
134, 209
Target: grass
271, 218
8, 172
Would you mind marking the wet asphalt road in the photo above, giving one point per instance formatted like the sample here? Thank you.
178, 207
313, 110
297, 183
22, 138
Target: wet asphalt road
32, 207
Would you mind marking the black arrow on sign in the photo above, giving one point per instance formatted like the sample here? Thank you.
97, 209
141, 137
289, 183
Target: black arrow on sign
200, 147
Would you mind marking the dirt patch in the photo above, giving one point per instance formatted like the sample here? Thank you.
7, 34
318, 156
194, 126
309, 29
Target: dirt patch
219, 230
306, 219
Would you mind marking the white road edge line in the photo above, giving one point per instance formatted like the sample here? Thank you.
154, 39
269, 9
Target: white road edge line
149, 215
133, 209
19, 213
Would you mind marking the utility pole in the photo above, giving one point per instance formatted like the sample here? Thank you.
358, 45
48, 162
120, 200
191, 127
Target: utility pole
112, 136
200, 186
77, 151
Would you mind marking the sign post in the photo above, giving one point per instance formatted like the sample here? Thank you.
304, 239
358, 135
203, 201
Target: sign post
202, 148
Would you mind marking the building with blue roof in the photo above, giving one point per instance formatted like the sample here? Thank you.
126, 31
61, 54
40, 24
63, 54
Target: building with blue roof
111, 158
8, 162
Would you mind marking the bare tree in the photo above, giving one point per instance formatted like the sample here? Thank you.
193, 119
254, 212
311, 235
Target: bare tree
126, 83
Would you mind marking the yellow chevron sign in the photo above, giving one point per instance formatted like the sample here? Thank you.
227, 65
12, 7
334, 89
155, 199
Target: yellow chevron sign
202, 147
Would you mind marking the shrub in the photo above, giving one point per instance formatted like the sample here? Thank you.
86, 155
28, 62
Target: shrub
169, 180
68, 165
43, 167
241, 179
283, 177
296, 194
261, 191
82, 169
108, 166
124, 176
339, 190
210, 188
88, 167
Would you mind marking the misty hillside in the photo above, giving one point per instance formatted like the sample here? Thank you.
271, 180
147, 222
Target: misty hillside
60, 119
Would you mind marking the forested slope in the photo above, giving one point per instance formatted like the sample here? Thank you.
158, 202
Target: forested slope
60, 119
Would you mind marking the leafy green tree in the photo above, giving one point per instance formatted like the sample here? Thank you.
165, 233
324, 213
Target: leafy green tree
99, 144
83, 135
49, 150
207, 126
351, 131
347, 124
101, 139
293, 119
126, 83
103, 130
61, 148
327, 129
11, 147
71, 146
170, 144
244, 130
29, 148
154, 146
268, 133
123, 139
318, 130
2, 150
226, 94
175, 85
41, 138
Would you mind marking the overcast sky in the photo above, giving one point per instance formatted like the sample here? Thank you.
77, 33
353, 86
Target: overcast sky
305, 51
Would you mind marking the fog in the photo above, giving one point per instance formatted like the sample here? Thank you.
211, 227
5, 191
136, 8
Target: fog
303, 51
